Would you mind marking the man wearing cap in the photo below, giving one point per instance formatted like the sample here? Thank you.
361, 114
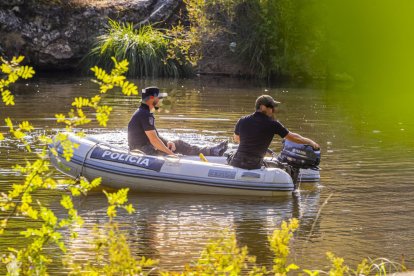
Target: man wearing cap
255, 132
143, 135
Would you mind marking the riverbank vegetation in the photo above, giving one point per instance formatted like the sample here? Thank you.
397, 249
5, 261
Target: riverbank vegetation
270, 39
281, 40
146, 49
153, 51
112, 254
277, 38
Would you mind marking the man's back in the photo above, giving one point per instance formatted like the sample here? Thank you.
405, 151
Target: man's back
256, 132
142, 120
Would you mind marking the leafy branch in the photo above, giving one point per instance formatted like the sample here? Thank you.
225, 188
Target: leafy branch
19, 200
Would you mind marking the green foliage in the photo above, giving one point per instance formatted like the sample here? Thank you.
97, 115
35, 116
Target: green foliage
311, 272
185, 40
279, 244
14, 71
277, 38
223, 257
378, 267
20, 133
147, 49
338, 267
19, 202
112, 255
77, 117
118, 200
152, 51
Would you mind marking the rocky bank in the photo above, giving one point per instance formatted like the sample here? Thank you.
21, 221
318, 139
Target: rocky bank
56, 34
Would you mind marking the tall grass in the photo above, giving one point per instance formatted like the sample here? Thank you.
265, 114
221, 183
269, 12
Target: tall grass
278, 38
146, 50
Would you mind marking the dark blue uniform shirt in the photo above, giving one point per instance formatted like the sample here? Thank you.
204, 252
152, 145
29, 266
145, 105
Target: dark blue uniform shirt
142, 120
256, 132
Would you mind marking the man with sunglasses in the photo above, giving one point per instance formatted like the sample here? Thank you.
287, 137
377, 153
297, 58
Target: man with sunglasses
255, 132
143, 136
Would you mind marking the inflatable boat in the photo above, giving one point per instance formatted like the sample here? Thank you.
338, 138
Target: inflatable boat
120, 168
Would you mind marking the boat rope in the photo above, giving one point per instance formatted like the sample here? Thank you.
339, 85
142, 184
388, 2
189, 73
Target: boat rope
84, 161
299, 179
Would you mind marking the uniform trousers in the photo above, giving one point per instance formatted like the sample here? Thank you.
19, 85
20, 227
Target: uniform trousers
246, 161
180, 147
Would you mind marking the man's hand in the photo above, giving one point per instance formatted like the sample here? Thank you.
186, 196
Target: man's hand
315, 146
171, 145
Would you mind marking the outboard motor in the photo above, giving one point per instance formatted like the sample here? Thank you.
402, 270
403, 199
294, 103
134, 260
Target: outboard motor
294, 157
299, 156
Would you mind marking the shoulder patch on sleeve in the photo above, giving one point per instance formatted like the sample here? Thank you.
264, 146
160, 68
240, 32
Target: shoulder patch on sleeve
151, 120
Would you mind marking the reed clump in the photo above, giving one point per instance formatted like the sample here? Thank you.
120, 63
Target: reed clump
146, 49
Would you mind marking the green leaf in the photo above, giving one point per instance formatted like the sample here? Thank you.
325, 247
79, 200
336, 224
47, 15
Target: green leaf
9, 123
16, 61
26, 126
292, 267
7, 97
25, 72
66, 202
129, 208
111, 212
6, 68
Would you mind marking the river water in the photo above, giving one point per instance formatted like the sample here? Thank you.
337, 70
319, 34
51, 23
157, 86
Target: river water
362, 207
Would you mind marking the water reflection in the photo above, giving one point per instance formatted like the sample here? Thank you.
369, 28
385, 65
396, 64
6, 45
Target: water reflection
175, 229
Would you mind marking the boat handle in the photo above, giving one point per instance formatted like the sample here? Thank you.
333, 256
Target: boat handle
250, 174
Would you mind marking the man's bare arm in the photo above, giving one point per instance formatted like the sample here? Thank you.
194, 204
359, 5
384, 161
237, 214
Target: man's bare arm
157, 143
294, 137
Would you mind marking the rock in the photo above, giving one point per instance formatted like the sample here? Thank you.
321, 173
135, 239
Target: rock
162, 11
16, 9
12, 42
9, 21
8, 3
59, 50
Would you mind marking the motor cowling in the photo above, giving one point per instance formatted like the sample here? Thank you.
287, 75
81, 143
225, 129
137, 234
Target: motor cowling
299, 156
